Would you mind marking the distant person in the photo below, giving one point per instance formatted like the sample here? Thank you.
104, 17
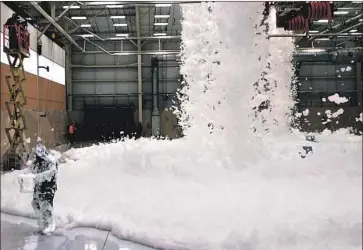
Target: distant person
71, 132
44, 168
139, 130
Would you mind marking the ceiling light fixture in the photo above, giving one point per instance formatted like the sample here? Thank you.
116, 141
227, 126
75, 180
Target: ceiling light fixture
116, 38
120, 24
162, 5
313, 31
322, 39
160, 34
116, 17
162, 16
322, 21
86, 25
353, 30
71, 7
78, 17
114, 6
314, 50
160, 24
341, 12
124, 35
103, 3
87, 35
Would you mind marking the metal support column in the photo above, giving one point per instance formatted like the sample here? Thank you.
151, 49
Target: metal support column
52, 9
359, 84
139, 62
68, 71
155, 120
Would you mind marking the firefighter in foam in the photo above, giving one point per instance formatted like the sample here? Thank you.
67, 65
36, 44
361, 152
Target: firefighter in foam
44, 169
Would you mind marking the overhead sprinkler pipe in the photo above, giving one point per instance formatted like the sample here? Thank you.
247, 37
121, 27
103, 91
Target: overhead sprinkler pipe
52, 21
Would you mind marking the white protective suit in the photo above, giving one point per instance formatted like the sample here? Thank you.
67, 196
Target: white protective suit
44, 168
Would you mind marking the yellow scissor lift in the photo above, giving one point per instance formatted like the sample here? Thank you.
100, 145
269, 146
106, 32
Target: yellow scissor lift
16, 49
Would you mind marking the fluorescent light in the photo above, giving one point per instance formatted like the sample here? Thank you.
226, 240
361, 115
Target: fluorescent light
116, 38
313, 31
314, 50
160, 34
78, 17
114, 6
162, 16
102, 3
341, 12
71, 7
124, 35
360, 20
322, 39
86, 25
358, 34
162, 5
115, 17
87, 35
353, 30
160, 24
322, 21
120, 24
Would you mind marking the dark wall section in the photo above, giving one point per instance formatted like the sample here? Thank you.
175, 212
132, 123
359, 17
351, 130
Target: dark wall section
106, 123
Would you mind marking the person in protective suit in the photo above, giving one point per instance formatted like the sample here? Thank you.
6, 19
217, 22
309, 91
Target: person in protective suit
13, 36
44, 168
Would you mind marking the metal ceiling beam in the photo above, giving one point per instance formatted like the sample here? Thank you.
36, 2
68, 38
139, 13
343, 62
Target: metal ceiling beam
88, 31
339, 25
52, 21
87, 21
127, 53
56, 19
318, 35
104, 50
351, 27
104, 66
130, 39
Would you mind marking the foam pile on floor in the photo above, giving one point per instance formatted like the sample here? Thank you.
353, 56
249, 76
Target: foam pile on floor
223, 186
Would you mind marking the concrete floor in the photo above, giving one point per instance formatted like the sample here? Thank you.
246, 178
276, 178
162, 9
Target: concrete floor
18, 233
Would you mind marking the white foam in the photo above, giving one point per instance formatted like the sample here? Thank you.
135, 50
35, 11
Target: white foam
337, 99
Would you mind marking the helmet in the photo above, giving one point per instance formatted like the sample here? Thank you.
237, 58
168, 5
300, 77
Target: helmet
40, 151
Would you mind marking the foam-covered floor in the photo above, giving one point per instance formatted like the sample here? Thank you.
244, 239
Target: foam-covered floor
139, 191
19, 233
237, 180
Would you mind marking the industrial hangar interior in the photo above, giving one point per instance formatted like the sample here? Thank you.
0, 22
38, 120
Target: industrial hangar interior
98, 72
121, 70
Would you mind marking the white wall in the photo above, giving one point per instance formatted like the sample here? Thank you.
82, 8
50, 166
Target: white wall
52, 55
56, 72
